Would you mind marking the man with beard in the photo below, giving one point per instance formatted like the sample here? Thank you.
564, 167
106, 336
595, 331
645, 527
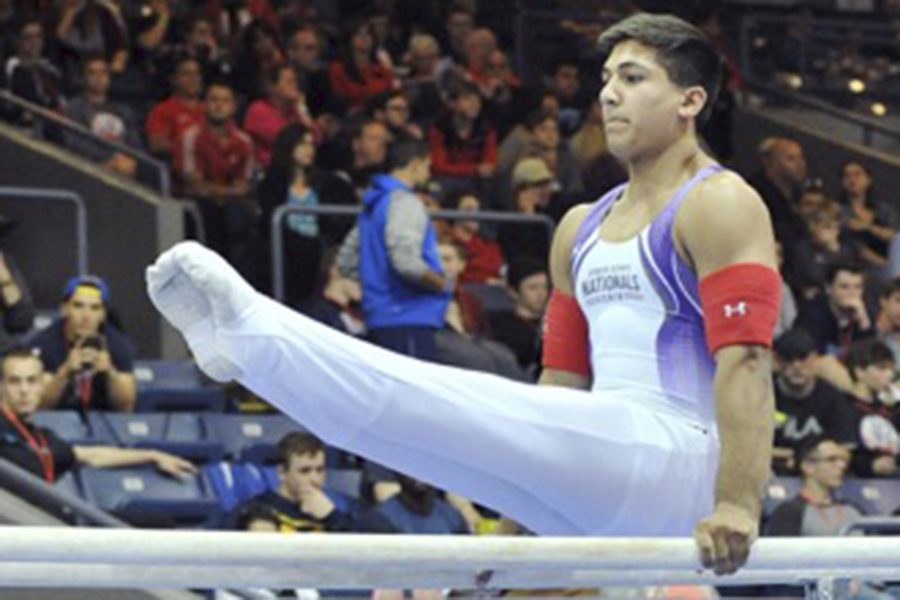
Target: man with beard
215, 160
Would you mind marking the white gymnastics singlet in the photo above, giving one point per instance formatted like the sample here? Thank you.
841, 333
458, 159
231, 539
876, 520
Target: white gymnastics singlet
643, 311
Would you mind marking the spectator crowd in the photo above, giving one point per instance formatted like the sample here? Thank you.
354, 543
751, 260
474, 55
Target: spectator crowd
401, 108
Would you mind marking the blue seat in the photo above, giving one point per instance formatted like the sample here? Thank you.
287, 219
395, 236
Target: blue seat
188, 435
179, 433
146, 495
70, 426
494, 298
68, 484
133, 429
249, 438
346, 481
234, 483
875, 497
166, 385
779, 490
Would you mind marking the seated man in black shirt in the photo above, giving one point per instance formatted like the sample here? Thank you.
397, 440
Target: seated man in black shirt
839, 317
876, 413
520, 329
39, 450
806, 406
301, 504
89, 362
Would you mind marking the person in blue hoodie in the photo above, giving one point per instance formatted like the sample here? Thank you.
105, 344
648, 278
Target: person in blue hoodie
394, 248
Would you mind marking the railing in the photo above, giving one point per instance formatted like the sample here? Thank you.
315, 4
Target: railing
868, 125
821, 33
67, 557
81, 231
51, 500
163, 177
873, 525
162, 174
277, 243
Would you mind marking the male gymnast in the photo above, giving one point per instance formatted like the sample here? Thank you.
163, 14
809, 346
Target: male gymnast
654, 416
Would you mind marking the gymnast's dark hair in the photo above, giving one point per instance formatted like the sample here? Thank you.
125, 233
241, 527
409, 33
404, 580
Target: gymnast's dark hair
682, 49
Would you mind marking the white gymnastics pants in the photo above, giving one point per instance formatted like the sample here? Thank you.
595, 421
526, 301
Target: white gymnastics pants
557, 460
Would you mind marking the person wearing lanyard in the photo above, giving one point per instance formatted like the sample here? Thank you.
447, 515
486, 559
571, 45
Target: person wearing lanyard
39, 450
89, 362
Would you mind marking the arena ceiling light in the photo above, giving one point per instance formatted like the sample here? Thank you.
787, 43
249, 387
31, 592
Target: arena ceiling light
857, 86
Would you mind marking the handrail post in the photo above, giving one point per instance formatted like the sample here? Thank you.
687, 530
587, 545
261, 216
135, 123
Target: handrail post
277, 235
43, 115
277, 251
81, 225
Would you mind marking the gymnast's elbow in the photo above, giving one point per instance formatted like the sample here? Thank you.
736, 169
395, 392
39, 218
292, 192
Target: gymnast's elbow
744, 377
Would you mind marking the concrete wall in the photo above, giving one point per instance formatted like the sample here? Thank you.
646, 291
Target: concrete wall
128, 225
825, 151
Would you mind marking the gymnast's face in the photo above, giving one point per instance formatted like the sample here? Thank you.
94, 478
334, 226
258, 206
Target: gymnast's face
643, 110
304, 471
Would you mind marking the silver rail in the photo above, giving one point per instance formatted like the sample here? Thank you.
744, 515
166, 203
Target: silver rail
277, 243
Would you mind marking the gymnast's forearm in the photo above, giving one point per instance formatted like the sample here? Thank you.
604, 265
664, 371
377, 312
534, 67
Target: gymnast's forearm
744, 413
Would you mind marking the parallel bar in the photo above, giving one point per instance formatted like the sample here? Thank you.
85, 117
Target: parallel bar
181, 577
238, 559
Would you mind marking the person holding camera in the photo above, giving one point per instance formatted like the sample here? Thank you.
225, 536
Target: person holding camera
40, 451
89, 362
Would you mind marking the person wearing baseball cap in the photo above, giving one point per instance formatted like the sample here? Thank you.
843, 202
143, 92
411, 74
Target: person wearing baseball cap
89, 363
533, 185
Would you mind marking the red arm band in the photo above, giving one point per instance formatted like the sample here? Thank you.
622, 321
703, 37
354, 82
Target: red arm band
565, 338
740, 305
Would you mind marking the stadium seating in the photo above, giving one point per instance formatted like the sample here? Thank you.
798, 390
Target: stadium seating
872, 496
167, 385
494, 298
249, 438
75, 428
184, 434
780, 489
68, 484
235, 482
145, 496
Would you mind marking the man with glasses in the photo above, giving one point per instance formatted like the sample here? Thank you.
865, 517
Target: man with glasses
392, 110
815, 511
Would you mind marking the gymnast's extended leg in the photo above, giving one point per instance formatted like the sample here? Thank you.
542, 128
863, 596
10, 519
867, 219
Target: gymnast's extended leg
558, 460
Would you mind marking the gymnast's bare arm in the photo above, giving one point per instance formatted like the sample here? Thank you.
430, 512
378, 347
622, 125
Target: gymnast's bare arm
561, 278
724, 222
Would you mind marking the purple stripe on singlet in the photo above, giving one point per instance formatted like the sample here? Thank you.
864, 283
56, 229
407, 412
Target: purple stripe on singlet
685, 367
586, 234
662, 248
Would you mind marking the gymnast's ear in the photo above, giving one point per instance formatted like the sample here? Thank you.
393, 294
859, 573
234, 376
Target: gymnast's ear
693, 101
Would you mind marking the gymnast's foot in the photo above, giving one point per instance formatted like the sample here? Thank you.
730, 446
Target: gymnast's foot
199, 292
